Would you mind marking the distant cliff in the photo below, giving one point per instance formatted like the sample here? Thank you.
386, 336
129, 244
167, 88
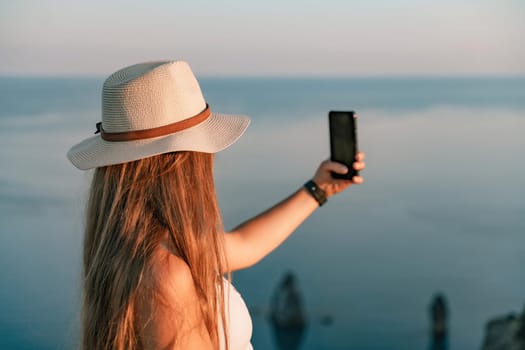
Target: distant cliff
505, 333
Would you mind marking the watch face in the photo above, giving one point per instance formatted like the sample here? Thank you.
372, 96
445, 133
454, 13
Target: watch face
316, 192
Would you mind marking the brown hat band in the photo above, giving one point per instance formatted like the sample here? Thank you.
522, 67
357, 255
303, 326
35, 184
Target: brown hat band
154, 132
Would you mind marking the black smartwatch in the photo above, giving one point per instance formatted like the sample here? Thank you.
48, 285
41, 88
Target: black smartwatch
316, 192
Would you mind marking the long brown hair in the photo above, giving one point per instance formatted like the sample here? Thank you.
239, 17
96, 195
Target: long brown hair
132, 207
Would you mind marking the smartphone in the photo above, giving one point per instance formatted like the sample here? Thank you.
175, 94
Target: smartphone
343, 141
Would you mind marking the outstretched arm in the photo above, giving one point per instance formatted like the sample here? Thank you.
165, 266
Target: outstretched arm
251, 241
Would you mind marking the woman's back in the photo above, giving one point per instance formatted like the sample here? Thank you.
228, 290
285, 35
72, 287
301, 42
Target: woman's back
175, 320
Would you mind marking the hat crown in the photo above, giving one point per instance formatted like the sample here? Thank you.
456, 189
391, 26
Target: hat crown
150, 95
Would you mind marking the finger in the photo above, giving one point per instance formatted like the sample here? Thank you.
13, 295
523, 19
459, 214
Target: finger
358, 165
336, 167
357, 180
360, 156
343, 182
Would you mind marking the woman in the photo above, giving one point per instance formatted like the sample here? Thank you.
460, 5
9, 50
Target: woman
155, 252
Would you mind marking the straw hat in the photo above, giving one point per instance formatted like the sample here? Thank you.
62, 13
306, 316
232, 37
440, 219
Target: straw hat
153, 108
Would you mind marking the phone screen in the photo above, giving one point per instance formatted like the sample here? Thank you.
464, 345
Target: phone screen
343, 140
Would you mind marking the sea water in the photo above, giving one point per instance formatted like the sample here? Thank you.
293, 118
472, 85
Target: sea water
442, 208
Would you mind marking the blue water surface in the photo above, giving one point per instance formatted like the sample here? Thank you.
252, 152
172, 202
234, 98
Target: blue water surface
441, 209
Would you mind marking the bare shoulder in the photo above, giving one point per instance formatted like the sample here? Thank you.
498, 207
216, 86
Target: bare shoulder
174, 316
174, 279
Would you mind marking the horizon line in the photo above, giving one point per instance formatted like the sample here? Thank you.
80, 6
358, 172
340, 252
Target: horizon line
288, 76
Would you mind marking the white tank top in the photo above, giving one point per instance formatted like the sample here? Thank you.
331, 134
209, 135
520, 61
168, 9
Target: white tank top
238, 320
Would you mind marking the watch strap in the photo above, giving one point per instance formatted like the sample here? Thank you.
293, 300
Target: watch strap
315, 191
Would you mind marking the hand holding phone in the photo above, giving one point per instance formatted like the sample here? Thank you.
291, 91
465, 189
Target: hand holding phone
343, 141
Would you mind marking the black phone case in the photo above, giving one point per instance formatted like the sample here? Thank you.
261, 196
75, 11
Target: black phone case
343, 141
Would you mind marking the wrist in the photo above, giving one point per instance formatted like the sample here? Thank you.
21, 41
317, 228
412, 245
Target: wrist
316, 192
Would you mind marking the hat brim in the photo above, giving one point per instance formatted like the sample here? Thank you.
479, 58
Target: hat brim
213, 135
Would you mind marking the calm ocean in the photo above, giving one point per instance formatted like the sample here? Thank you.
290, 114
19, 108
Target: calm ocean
442, 208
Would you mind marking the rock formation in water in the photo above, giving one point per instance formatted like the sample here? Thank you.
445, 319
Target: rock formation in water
439, 322
505, 333
287, 314
287, 310
439, 315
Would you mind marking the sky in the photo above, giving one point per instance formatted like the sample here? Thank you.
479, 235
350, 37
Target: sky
266, 38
